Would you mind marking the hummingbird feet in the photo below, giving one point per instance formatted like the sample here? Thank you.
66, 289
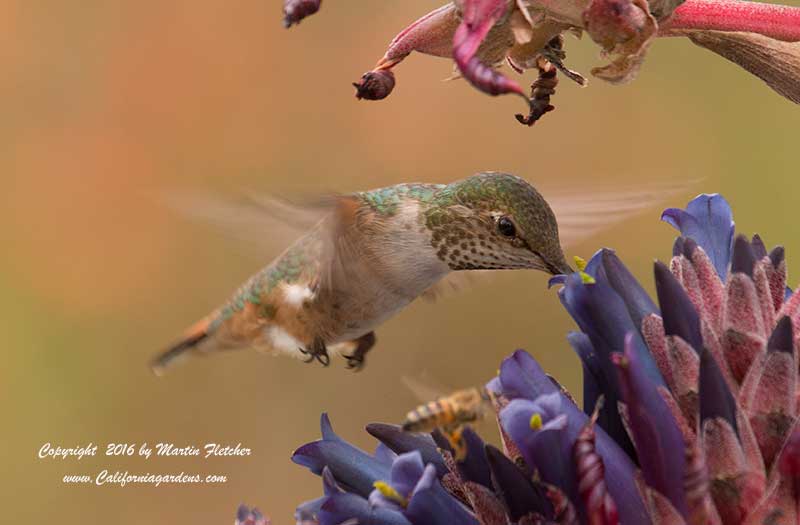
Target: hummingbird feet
355, 362
317, 351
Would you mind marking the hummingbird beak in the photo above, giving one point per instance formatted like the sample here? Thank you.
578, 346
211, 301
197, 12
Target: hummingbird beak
561, 268
554, 268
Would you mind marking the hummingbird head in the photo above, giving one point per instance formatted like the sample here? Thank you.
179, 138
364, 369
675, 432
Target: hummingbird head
494, 221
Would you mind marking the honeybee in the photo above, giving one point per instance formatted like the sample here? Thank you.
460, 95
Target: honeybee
449, 414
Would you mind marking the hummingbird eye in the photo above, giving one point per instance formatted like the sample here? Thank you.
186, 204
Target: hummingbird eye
506, 227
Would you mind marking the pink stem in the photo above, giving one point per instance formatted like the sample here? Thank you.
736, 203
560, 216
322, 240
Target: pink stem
775, 21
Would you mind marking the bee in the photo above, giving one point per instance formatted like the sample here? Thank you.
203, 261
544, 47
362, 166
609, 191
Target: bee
449, 414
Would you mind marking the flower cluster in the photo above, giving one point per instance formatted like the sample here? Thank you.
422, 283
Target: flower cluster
689, 408
481, 35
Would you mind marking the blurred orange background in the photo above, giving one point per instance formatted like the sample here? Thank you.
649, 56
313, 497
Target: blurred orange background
107, 105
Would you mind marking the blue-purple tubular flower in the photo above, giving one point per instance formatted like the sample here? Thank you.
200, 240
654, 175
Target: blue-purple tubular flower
247, 516
708, 220
606, 314
607, 267
603, 315
594, 384
519, 493
546, 448
679, 314
343, 508
431, 504
716, 399
352, 468
407, 470
656, 433
401, 489
523, 380
308, 511
474, 467
399, 441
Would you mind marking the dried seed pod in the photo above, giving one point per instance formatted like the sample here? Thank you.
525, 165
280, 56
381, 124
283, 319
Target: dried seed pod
296, 10
375, 85
541, 90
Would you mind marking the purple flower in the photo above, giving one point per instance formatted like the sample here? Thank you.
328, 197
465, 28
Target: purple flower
385, 488
248, 516
354, 469
708, 221
690, 408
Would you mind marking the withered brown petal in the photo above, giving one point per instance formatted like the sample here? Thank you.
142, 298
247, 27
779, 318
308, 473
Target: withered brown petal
775, 62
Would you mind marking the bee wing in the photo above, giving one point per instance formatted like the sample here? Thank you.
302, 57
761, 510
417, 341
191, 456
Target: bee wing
583, 215
424, 388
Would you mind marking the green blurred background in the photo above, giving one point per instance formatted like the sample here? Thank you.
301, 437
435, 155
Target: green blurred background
107, 105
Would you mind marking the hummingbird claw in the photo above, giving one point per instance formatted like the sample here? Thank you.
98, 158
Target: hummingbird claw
355, 362
318, 352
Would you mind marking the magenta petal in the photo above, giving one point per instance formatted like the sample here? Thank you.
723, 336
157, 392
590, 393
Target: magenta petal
479, 16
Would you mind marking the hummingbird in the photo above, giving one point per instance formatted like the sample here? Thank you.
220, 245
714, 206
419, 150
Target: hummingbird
374, 252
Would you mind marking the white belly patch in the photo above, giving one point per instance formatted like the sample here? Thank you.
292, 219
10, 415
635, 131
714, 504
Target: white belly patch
296, 294
282, 343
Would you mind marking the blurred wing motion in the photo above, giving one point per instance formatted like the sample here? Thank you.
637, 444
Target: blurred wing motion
266, 225
323, 250
581, 215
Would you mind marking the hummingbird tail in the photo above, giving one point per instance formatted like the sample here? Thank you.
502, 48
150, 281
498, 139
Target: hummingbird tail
197, 334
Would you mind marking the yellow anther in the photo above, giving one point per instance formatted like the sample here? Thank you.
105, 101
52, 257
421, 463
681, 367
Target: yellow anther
536, 421
586, 278
389, 492
580, 262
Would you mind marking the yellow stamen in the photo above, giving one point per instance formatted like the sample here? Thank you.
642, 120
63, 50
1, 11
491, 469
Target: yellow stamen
389, 492
586, 278
580, 263
536, 421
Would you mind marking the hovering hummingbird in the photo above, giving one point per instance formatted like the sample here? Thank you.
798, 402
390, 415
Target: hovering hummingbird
374, 252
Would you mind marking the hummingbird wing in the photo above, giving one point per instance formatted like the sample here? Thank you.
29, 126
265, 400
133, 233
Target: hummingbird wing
265, 225
583, 214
